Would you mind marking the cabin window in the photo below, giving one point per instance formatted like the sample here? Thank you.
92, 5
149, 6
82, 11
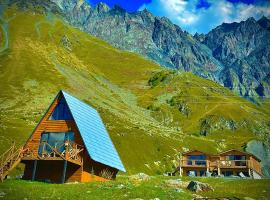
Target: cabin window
198, 159
54, 140
61, 111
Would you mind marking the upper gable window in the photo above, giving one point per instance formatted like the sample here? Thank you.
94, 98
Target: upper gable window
236, 157
61, 111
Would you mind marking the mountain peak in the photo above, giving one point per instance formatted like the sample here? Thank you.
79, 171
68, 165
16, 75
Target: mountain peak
251, 19
102, 7
119, 9
264, 22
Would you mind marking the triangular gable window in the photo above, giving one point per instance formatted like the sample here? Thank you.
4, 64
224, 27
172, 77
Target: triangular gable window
61, 111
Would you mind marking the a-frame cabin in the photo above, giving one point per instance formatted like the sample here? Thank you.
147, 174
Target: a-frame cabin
69, 144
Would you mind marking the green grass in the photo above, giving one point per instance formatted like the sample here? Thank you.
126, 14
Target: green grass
37, 65
124, 188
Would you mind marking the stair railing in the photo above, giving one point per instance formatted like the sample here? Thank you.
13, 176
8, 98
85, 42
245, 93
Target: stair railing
9, 159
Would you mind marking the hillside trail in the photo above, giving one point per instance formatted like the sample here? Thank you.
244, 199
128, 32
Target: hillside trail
199, 117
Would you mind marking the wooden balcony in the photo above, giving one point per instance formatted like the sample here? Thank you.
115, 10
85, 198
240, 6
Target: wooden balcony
237, 164
193, 163
68, 150
241, 164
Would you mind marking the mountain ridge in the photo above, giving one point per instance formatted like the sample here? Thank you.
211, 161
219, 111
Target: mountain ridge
165, 43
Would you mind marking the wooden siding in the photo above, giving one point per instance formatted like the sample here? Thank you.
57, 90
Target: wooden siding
220, 162
53, 170
255, 164
92, 170
52, 126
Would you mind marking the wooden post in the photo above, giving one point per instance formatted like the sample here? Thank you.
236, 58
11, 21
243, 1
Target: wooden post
64, 171
34, 170
66, 150
218, 168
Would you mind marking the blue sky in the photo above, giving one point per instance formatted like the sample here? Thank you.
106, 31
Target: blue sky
197, 15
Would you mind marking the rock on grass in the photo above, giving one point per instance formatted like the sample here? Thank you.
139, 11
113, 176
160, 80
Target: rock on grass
197, 186
139, 177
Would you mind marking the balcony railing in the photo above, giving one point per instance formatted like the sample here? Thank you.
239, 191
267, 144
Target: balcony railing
68, 150
232, 163
193, 163
215, 164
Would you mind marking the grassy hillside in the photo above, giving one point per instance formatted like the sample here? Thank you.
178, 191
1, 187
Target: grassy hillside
151, 113
124, 188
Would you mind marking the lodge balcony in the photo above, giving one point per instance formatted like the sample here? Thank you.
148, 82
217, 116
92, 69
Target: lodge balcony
68, 151
237, 164
193, 163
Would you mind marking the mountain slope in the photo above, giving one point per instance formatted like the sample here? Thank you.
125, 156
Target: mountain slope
243, 49
235, 57
143, 105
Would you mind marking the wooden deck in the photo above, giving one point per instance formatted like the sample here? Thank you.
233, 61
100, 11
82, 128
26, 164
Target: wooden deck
69, 151
219, 163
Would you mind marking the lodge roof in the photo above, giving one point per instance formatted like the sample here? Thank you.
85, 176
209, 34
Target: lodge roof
93, 132
244, 152
191, 151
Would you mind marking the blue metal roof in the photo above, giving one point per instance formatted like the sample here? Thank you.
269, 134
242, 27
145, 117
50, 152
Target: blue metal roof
94, 134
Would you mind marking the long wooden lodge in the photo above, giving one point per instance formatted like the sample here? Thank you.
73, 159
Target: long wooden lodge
228, 163
70, 143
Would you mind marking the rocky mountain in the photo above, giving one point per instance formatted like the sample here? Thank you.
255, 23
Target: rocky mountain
153, 37
243, 48
235, 55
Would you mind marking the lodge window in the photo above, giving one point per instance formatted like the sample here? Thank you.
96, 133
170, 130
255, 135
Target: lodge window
61, 111
198, 159
54, 140
240, 160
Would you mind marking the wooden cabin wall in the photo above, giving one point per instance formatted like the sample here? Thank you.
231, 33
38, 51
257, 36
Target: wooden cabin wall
92, 169
74, 173
255, 164
52, 126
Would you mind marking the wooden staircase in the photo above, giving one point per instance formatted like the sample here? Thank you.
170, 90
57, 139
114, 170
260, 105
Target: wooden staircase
9, 160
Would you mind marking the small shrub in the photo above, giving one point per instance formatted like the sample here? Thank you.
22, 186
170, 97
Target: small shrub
182, 106
105, 173
153, 108
160, 77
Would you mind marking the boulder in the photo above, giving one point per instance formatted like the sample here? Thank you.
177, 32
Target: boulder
176, 183
197, 186
139, 177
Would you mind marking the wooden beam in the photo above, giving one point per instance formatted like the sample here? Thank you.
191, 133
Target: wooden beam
34, 170
64, 171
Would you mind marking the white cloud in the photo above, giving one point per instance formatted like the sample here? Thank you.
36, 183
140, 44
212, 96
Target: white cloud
187, 16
